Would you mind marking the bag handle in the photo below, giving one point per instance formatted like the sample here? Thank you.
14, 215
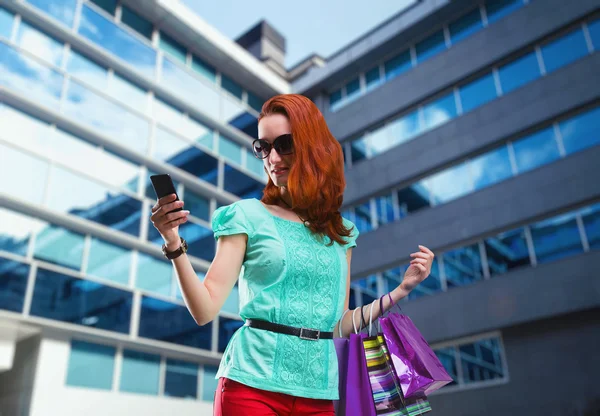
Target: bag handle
381, 312
371, 318
340, 323
354, 322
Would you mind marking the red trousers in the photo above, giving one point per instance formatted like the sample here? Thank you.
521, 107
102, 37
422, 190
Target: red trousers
236, 399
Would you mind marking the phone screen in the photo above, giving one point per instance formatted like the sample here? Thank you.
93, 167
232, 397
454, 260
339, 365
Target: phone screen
163, 186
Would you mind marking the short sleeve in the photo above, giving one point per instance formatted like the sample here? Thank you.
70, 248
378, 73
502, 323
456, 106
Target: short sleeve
230, 220
354, 233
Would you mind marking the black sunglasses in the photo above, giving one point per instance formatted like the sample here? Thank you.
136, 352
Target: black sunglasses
283, 144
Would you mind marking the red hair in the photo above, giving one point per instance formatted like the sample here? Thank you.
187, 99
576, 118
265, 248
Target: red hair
316, 180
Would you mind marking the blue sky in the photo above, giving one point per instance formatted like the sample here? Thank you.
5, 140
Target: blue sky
321, 26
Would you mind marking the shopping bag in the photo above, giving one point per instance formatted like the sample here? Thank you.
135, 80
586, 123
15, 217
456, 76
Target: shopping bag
418, 369
341, 350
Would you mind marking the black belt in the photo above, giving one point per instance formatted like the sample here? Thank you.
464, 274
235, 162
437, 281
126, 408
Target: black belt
303, 333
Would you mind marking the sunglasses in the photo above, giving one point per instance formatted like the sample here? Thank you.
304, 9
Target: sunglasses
283, 144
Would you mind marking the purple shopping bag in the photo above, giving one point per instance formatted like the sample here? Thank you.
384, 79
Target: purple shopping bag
419, 370
341, 350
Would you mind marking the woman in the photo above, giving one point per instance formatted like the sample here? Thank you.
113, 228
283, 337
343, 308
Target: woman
291, 252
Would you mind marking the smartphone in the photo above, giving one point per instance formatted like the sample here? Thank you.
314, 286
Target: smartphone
163, 186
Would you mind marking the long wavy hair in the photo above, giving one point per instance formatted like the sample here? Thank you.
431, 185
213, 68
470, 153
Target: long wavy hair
316, 180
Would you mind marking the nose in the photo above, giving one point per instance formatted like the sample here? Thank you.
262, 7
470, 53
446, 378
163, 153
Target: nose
274, 157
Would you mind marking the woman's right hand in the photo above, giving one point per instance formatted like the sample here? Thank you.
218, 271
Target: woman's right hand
168, 224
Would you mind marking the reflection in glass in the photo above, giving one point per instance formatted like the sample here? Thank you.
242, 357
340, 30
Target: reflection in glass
107, 118
447, 357
209, 383
568, 48
154, 275
140, 372
201, 242
497, 9
431, 46
463, 266
481, 361
136, 22
83, 302
519, 72
477, 93
172, 47
359, 149
352, 89
91, 365
591, 223
362, 217
230, 150
169, 322
490, 168
40, 44
109, 6
398, 65
197, 205
556, 238
335, 99
168, 147
255, 165
59, 246
33, 172
450, 184
181, 379
405, 128
393, 277
198, 163
536, 150
13, 282
236, 115
385, 209
439, 111
465, 26
413, 198
206, 70
507, 251
128, 93
240, 184
28, 76
86, 70
25, 130
231, 86
232, 303
16, 230
581, 131
372, 78
109, 261
379, 140
594, 29
255, 102
109, 36
6, 22
227, 328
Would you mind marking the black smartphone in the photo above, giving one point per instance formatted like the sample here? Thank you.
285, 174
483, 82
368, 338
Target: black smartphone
163, 186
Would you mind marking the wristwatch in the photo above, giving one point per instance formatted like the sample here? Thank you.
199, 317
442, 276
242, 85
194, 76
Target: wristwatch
176, 253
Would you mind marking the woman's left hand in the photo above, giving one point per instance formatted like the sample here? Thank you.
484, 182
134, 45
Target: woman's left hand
419, 269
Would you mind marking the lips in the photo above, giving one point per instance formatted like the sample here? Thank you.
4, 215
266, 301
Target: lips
279, 171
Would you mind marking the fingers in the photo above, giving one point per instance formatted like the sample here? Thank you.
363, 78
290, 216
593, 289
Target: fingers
177, 222
420, 255
419, 261
421, 267
426, 250
163, 201
159, 210
162, 220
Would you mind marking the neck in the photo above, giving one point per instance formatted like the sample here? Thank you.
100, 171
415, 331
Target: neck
286, 197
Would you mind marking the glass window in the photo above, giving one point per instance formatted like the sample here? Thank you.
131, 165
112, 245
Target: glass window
190, 88
463, 266
129, 93
201, 242
594, 29
581, 131
335, 99
198, 163
32, 171
204, 69
172, 47
556, 238
393, 277
232, 302
591, 223
40, 44
91, 365
568, 48
197, 205
465, 26
231, 86
230, 150
170, 322
353, 89
199, 133
168, 115
481, 361
13, 283
136, 22
519, 72
154, 275
359, 149
234, 113
16, 231
431, 285
116, 171
87, 70
109, 261
397, 65
79, 301
405, 128
255, 102
255, 165
6, 22
227, 328
477, 93
25, 130
61, 10
115, 40
413, 198
447, 357
379, 140
507, 251
431, 46
242, 185
490, 168
181, 379
93, 201
170, 148
107, 117
450, 184
109, 6
385, 209
140, 372
362, 217
536, 150
28, 76
373, 78
209, 383
497, 9
439, 111
59, 246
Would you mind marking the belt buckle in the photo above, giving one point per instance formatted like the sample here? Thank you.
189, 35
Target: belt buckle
315, 337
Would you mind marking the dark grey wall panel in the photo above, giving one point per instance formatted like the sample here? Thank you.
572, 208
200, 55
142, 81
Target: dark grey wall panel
563, 184
498, 120
520, 29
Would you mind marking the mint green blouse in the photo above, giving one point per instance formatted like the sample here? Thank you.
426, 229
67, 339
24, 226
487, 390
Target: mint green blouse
288, 277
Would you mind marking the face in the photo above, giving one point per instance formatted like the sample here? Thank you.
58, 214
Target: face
277, 166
